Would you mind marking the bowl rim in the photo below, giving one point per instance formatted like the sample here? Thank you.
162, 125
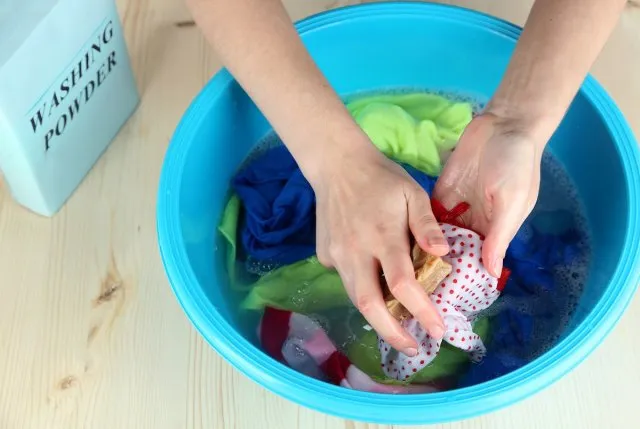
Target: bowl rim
454, 405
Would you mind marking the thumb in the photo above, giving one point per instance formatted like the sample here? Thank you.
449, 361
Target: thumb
423, 224
506, 219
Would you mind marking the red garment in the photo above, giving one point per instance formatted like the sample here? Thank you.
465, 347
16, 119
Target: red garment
454, 217
313, 350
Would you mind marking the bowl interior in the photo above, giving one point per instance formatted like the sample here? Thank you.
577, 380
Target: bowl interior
455, 58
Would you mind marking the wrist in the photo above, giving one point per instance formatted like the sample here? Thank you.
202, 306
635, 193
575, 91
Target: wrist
523, 119
326, 152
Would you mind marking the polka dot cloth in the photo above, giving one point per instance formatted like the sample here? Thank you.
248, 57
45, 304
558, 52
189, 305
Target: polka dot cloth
465, 292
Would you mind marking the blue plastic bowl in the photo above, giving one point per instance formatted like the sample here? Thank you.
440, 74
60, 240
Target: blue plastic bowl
374, 47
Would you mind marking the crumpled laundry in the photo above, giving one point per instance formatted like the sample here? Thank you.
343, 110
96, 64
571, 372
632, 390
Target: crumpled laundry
418, 129
279, 222
461, 296
272, 213
307, 287
276, 209
303, 345
530, 256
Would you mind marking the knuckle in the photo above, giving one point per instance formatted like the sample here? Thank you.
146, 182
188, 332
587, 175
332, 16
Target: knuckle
395, 339
348, 244
350, 238
381, 229
364, 303
396, 287
418, 196
392, 251
382, 248
423, 313
427, 221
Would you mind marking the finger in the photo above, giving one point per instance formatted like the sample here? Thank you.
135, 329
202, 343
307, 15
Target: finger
363, 286
423, 224
506, 219
400, 276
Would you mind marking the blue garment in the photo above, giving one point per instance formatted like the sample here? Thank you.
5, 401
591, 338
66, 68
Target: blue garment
425, 181
278, 222
531, 256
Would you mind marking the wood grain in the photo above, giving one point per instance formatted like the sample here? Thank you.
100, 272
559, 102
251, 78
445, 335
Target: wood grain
91, 334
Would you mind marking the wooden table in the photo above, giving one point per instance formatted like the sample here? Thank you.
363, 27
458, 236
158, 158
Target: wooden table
91, 335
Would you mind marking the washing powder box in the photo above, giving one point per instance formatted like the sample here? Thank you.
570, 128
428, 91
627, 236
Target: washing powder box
66, 89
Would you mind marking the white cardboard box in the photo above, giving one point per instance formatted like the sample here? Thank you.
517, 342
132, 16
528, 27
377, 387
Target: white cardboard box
66, 89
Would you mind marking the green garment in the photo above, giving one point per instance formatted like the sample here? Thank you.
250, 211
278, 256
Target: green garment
365, 355
414, 128
303, 287
229, 229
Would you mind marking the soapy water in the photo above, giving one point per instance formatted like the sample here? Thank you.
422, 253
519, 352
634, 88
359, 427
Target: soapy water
558, 206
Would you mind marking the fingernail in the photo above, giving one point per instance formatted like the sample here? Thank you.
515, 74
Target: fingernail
497, 266
411, 352
437, 331
436, 242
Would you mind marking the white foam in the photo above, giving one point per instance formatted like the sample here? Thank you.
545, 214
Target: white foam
557, 192
258, 268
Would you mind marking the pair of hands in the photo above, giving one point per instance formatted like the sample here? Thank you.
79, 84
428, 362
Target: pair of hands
367, 205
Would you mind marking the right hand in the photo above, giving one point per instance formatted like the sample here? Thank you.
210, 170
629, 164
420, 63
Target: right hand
366, 207
496, 169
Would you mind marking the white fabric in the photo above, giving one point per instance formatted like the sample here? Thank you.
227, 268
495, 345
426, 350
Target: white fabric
468, 290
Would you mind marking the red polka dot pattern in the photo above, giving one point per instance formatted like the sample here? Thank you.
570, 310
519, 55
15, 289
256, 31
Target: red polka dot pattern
468, 281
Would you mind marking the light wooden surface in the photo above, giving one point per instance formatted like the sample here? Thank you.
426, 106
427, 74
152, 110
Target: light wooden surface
91, 335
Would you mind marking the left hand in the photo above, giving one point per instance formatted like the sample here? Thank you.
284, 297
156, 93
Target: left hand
496, 169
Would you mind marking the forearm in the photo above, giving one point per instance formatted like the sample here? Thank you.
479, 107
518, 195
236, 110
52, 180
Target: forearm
560, 42
259, 45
